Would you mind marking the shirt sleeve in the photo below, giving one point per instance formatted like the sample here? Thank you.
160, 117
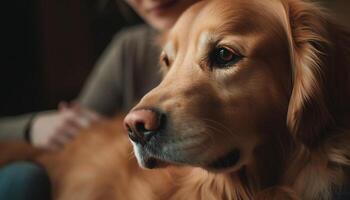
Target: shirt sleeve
14, 127
102, 91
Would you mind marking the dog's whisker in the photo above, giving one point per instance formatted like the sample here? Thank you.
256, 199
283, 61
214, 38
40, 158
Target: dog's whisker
220, 125
221, 128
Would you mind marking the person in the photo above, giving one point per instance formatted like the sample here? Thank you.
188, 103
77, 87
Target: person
127, 70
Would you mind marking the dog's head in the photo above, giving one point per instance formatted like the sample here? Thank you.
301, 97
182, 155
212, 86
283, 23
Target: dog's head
237, 73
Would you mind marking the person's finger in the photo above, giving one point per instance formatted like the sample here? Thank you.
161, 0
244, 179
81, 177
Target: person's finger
71, 131
54, 145
75, 105
63, 105
73, 118
90, 115
86, 116
60, 140
84, 122
84, 111
76, 120
78, 117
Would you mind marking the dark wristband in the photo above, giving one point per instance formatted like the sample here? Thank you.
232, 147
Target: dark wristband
27, 133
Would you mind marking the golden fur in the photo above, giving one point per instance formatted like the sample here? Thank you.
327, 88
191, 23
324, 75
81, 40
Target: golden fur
285, 106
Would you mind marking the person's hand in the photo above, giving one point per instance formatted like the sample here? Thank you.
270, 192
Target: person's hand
54, 130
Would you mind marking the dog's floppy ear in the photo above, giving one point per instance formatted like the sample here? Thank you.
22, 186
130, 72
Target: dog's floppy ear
307, 28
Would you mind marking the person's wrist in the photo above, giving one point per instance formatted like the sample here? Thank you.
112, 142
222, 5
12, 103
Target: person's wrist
28, 129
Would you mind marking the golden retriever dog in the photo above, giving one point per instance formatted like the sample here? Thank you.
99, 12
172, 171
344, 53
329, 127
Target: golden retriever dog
254, 104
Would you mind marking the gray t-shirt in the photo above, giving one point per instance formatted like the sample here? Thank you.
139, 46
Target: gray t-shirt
126, 71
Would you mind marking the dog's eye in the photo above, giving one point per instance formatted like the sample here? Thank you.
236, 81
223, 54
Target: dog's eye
224, 57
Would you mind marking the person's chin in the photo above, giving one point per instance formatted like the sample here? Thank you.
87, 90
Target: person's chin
162, 24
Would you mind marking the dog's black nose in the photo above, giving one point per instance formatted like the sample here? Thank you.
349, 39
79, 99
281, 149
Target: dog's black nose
142, 125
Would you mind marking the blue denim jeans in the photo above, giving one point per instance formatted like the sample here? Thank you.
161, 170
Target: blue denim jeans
24, 181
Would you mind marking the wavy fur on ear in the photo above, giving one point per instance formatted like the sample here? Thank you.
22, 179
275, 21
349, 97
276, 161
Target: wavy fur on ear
318, 113
314, 48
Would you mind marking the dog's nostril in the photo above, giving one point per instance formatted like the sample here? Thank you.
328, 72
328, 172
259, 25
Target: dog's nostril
142, 125
146, 134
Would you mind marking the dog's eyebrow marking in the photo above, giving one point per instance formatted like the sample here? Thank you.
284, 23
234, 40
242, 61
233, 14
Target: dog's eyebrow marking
205, 39
170, 50
204, 44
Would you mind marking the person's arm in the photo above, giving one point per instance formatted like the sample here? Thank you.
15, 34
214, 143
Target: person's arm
48, 129
15, 127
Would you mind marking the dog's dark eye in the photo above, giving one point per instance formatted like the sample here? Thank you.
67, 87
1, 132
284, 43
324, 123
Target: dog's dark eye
224, 57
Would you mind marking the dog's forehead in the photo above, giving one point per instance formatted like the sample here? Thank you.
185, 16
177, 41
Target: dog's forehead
183, 25
233, 16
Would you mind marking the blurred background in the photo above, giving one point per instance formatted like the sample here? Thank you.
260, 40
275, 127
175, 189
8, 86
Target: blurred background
50, 46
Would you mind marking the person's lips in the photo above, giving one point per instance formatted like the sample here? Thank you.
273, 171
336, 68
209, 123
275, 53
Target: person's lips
161, 7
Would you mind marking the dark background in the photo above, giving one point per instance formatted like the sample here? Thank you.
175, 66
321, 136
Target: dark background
50, 46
